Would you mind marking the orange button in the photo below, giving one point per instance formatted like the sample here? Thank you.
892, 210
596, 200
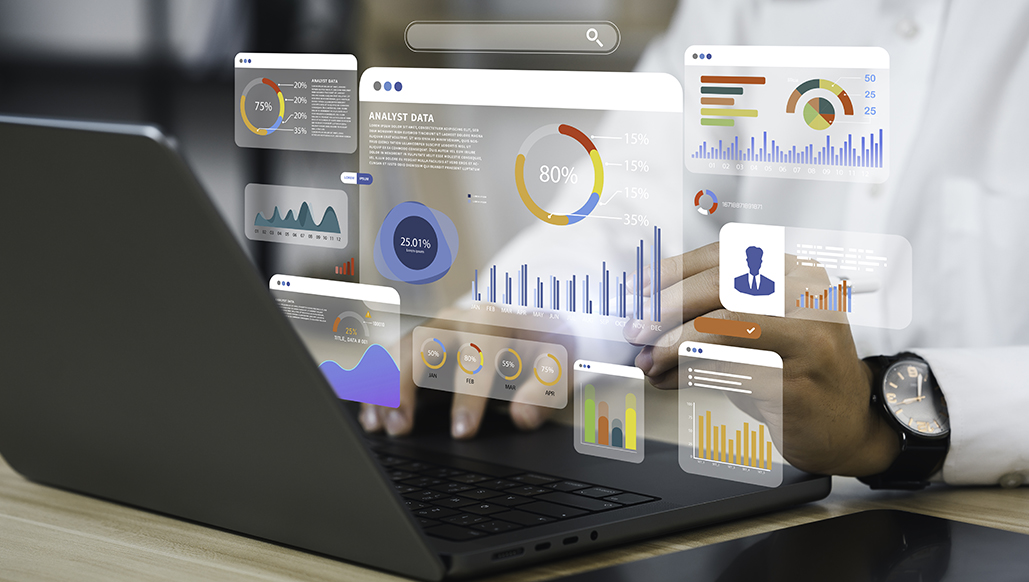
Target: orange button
727, 327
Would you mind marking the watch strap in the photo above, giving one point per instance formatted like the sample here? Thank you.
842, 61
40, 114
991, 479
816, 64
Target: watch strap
918, 460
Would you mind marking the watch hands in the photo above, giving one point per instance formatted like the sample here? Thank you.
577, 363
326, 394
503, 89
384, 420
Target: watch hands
910, 400
919, 386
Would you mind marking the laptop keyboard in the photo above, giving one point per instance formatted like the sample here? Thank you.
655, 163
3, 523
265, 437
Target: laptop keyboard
459, 504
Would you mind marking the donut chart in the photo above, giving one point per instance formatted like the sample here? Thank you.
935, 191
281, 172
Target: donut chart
509, 364
243, 110
598, 175
699, 198
547, 369
470, 354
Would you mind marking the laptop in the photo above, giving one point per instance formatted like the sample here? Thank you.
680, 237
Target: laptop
149, 365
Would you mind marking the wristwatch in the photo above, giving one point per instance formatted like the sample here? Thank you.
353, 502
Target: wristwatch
905, 392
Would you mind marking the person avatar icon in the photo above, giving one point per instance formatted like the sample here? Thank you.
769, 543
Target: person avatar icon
753, 283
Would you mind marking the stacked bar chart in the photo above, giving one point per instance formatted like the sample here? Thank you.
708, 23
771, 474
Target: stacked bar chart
581, 293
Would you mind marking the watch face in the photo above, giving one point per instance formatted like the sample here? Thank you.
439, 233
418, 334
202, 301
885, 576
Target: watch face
914, 399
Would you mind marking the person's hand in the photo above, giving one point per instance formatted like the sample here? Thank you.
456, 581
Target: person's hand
466, 411
828, 425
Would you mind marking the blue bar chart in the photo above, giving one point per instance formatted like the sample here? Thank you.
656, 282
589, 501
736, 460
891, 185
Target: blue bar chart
583, 293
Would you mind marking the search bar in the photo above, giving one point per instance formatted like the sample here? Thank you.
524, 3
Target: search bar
599, 37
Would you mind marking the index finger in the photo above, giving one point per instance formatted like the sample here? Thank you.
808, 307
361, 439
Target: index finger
684, 266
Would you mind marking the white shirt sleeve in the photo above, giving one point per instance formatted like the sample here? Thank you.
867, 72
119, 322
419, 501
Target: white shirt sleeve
987, 398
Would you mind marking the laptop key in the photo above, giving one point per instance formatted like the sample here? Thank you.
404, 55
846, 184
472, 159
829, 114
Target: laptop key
455, 533
414, 505
400, 475
451, 488
568, 485
404, 489
509, 500
498, 484
390, 461
552, 509
453, 502
484, 508
580, 501
522, 517
527, 490
480, 493
442, 473
435, 512
496, 526
629, 498
470, 478
465, 519
424, 496
598, 492
427, 522
422, 482
534, 479
414, 466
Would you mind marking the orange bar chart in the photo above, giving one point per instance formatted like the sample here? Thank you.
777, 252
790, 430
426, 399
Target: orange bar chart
751, 447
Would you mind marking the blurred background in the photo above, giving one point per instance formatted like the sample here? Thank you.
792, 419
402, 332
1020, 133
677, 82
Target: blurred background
170, 63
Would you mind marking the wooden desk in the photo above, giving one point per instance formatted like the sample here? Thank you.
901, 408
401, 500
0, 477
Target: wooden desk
47, 534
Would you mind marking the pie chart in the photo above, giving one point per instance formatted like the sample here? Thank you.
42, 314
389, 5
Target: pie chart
819, 113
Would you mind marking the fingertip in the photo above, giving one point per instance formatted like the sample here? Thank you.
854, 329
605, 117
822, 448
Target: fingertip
645, 360
369, 419
397, 423
527, 417
630, 331
463, 424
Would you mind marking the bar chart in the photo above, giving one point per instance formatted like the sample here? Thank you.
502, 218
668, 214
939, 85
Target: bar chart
749, 448
609, 407
808, 113
580, 293
600, 428
717, 438
839, 298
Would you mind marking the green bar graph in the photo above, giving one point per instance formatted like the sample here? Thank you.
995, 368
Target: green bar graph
589, 415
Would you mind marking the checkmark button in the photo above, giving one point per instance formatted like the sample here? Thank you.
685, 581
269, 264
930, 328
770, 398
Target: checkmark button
728, 327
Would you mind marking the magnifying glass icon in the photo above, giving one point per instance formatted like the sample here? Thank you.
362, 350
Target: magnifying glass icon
593, 36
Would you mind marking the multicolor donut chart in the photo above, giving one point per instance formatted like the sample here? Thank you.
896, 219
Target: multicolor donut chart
598, 175
243, 109
701, 209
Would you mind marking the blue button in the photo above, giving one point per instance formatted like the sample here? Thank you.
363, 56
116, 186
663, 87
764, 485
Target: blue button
364, 179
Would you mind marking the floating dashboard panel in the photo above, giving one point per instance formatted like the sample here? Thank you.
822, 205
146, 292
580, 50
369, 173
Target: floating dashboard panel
489, 366
809, 113
299, 102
